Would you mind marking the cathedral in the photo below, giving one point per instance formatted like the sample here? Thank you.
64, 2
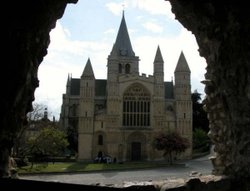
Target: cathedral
120, 116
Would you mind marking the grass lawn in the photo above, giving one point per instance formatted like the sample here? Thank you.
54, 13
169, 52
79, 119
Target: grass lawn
84, 167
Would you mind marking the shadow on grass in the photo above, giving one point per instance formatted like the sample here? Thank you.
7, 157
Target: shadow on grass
87, 167
82, 167
92, 167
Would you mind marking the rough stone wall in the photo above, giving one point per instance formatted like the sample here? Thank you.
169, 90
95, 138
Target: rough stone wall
205, 183
222, 30
26, 33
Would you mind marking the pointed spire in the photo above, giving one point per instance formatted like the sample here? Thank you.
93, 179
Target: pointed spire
122, 44
69, 79
158, 56
182, 65
68, 85
88, 71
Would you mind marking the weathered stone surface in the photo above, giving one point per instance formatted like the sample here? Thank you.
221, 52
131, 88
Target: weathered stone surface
27, 38
221, 30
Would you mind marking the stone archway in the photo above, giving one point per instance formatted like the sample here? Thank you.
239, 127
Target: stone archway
99, 143
136, 151
136, 146
222, 32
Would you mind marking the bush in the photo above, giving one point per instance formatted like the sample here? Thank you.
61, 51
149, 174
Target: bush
171, 143
201, 140
20, 162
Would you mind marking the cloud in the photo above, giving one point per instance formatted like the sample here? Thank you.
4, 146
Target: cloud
61, 43
153, 27
67, 56
110, 31
154, 7
70, 56
116, 8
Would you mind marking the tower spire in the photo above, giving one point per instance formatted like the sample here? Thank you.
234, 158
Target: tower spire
122, 46
88, 71
158, 66
158, 55
182, 65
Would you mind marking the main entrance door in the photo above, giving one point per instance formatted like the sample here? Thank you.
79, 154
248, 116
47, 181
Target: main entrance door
136, 151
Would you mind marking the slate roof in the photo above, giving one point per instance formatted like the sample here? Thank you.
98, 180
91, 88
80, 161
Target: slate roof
122, 44
100, 87
169, 90
158, 56
75, 86
182, 65
88, 70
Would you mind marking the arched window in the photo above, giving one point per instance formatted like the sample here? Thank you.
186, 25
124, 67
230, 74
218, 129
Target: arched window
100, 140
127, 68
120, 68
136, 107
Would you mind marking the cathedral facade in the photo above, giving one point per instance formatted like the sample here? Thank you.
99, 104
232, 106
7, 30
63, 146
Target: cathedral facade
120, 116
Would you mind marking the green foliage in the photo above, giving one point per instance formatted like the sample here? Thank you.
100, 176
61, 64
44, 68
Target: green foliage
200, 140
200, 120
48, 142
170, 143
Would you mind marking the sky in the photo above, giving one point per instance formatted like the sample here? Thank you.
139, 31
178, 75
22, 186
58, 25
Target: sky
88, 29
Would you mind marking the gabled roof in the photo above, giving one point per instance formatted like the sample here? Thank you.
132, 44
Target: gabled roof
182, 65
75, 86
122, 46
100, 87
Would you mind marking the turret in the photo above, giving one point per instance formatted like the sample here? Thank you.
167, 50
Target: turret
158, 67
68, 85
182, 79
183, 105
159, 89
87, 91
86, 116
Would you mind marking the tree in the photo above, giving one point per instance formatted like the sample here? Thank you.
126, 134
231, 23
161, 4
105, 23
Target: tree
72, 133
201, 141
35, 119
37, 112
170, 143
49, 142
200, 120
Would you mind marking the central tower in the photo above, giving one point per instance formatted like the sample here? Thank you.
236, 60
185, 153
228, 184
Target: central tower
121, 61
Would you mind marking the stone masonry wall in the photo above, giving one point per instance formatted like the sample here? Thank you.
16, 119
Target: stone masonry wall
222, 29
26, 26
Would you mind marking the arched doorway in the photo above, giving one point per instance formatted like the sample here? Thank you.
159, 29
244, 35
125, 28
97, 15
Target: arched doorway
136, 151
136, 146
